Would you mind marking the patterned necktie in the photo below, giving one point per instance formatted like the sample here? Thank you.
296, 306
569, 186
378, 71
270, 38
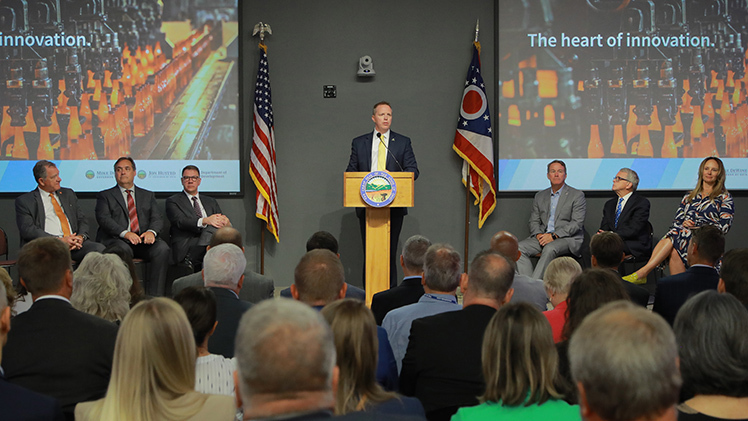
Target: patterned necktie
196, 205
133, 213
618, 210
60, 214
382, 155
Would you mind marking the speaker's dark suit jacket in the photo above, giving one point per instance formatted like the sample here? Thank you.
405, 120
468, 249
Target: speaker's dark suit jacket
229, 311
184, 231
633, 225
256, 287
408, 292
673, 291
20, 404
58, 351
113, 217
442, 366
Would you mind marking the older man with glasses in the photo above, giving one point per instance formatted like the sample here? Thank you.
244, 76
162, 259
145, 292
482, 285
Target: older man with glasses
628, 215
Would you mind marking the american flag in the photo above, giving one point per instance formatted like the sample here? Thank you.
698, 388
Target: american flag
262, 157
473, 140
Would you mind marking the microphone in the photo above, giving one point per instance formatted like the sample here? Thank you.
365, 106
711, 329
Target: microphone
379, 136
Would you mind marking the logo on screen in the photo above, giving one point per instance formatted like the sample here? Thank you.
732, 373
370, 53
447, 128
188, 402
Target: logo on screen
90, 174
141, 174
378, 189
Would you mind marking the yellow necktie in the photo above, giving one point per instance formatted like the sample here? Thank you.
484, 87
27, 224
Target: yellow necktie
382, 156
60, 214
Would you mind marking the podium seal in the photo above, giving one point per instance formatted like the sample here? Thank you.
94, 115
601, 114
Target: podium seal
378, 189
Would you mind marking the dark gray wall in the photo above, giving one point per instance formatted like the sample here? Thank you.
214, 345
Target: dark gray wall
421, 50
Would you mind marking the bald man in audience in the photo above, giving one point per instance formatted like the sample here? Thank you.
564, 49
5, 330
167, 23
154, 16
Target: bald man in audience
526, 289
624, 361
733, 276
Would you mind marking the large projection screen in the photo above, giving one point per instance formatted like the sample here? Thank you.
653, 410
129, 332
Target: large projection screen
87, 81
653, 85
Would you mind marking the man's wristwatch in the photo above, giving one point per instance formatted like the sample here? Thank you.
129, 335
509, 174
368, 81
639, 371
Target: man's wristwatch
555, 237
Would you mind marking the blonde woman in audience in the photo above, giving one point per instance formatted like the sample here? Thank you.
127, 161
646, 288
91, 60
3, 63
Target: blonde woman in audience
153, 374
520, 369
101, 287
10, 292
557, 281
355, 334
214, 373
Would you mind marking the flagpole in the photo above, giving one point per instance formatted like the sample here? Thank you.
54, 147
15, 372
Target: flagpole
468, 181
262, 250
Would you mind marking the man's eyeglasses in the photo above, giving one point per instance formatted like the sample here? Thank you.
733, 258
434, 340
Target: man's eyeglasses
190, 177
617, 178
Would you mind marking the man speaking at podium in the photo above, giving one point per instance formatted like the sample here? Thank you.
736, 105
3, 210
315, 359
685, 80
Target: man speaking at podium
383, 150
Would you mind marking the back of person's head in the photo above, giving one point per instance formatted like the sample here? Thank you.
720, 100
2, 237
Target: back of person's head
319, 276
713, 346
560, 273
520, 361
607, 249
136, 289
734, 273
42, 265
588, 292
710, 242
223, 265
322, 240
356, 346
226, 235
10, 292
154, 364
101, 286
284, 349
490, 275
506, 243
441, 268
199, 303
626, 360
414, 251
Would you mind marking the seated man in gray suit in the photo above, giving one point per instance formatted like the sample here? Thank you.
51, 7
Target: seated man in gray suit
194, 219
526, 289
325, 240
256, 287
556, 223
53, 211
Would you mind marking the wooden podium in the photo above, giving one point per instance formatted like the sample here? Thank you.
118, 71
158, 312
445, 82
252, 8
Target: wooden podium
377, 226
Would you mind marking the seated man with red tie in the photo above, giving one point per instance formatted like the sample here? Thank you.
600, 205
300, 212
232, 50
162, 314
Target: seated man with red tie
129, 219
53, 211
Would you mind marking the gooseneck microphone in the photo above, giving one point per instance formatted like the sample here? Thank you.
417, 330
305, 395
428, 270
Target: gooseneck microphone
379, 136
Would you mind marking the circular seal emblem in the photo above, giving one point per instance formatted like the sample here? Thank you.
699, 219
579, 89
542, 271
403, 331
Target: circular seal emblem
90, 174
378, 189
141, 174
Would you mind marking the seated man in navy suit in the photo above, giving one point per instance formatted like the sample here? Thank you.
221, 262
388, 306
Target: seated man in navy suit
628, 215
704, 251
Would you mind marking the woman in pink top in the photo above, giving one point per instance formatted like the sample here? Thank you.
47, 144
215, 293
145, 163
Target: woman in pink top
557, 280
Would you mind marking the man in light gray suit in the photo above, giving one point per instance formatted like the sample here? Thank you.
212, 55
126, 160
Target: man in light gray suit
556, 223
256, 287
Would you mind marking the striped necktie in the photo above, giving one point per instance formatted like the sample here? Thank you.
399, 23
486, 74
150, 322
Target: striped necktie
133, 213
618, 210
382, 155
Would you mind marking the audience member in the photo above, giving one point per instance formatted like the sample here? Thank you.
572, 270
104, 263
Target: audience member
136, 289
410, 289
607, 253
559, 275
520, 366
16, 402
10, 292
441, 277
223, 273
713, 348
733, 275
355, 335
54, 349
625, 364
706, 247
153, 376
442, 363
255, 288
129, 219
628, 215
285, 357
325, 240
589, 291
319, 279
101, 287
556, 223
214, 373
526, 289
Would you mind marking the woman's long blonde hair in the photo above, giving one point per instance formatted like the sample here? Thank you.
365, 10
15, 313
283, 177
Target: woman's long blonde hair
719, 185
153, 375
356, 345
